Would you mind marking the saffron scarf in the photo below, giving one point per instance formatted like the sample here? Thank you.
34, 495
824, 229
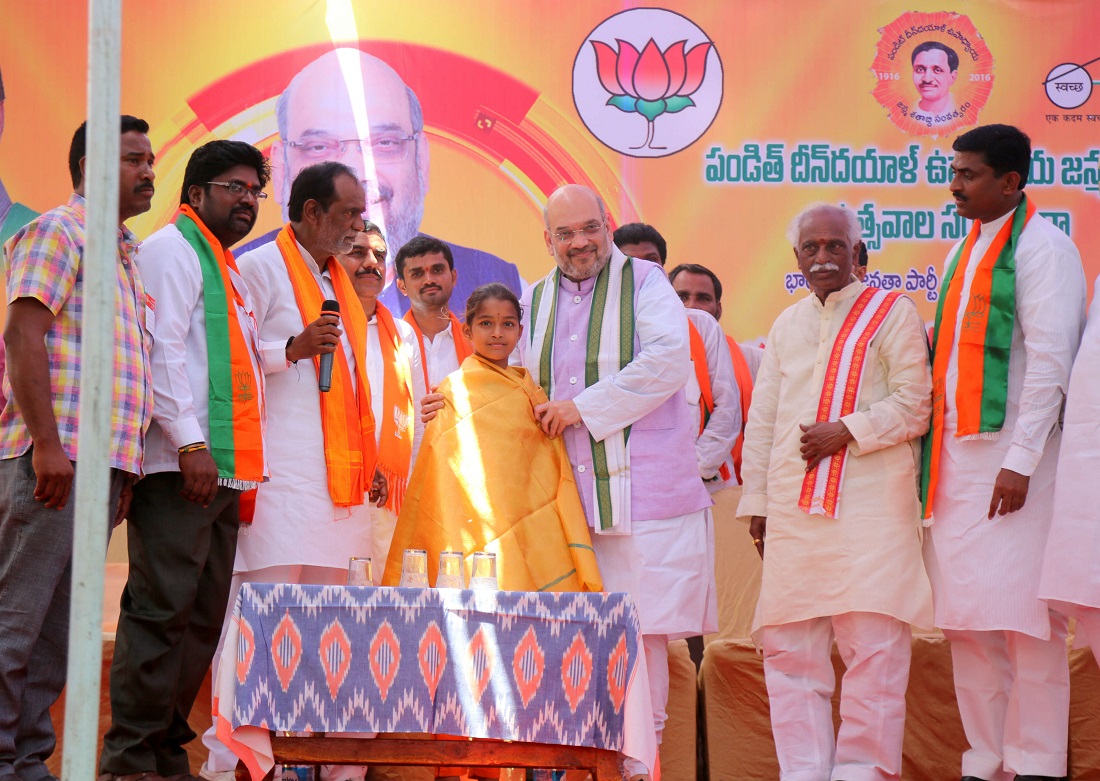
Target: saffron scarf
702, 377
395, 442
235, 400
743, 374
463, 348
610, 326
822, 485
985, 342
467, 493
346, 420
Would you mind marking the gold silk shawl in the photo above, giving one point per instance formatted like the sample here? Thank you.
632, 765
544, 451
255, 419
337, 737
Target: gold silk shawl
487, 478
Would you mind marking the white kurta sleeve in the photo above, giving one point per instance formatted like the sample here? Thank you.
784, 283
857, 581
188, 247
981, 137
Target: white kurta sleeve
713, 446
754, 356
660, 368
256, 273
171, 274
416, 366
903, 356
756, 453
1050, 309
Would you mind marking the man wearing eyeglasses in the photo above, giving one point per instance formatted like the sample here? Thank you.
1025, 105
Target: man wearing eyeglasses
204, 447
619, 405
349, 107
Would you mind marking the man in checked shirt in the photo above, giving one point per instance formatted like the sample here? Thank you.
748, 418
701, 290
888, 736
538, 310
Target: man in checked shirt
38, 440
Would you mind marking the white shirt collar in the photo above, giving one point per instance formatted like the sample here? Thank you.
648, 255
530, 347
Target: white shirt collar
991, 228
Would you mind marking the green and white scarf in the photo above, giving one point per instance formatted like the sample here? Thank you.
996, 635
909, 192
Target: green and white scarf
610, 327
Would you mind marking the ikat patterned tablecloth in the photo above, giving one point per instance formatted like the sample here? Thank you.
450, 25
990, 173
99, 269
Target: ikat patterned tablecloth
561, 668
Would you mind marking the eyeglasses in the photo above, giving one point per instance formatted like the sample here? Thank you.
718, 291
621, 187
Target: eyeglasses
240, 188
389, 148
589, 232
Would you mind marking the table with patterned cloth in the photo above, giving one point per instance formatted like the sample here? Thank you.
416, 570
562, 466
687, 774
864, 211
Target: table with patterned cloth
546, 668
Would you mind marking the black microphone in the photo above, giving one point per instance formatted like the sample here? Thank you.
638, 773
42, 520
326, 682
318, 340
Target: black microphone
324, 376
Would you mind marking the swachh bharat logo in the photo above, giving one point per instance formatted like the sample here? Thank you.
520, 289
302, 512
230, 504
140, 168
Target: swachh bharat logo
647, 82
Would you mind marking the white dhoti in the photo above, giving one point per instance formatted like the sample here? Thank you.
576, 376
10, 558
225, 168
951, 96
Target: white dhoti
667, 567
798, 670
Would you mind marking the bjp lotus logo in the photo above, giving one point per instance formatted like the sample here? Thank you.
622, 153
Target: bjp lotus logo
651, 82
650, 65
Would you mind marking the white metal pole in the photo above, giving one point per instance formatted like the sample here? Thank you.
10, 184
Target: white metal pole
96, 362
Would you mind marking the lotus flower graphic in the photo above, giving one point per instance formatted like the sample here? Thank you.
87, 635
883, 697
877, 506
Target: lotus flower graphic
651, 82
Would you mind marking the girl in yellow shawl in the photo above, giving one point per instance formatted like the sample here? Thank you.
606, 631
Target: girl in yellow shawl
488, 478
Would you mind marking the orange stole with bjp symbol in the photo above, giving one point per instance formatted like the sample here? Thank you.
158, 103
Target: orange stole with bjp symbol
984, 343
346, 419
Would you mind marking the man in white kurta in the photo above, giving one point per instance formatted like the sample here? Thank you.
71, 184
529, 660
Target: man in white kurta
183, 523
298, 534
716, 436
656, 546
991, 507
366, 266
857, 576
426, 275
1070, 580
714, 444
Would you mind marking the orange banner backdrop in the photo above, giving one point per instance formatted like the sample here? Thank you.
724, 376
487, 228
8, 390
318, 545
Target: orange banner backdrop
714, 122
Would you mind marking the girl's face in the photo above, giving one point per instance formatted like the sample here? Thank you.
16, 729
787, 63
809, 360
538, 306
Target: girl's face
495, 330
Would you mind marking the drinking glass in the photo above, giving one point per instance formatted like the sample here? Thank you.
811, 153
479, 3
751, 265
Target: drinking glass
360, 572
414, 568
450, 570
484, 571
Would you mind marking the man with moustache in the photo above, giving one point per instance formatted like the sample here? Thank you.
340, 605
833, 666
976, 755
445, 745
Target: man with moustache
39, 432
396, 374
935, 68
313, 513
621, 410
830, 482
205, 446
700, 288
1008, 324
317, 116
426, 275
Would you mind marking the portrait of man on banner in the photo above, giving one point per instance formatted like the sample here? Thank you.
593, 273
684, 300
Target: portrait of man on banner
946, 59
350, 107
935, 68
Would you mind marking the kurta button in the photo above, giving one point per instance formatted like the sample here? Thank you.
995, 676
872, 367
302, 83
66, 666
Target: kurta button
580, 468
576, 425
573, 338
576, 299
572, 380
